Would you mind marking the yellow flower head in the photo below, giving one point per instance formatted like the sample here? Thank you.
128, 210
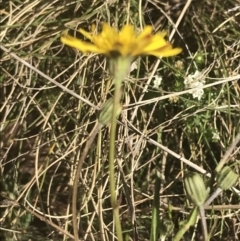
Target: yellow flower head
125, 43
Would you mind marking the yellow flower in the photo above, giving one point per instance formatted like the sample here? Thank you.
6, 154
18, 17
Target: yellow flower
125, 43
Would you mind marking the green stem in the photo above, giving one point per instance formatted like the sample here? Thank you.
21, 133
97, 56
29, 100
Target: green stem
116, 100
118, 68
190, 222
204, 223
155, 210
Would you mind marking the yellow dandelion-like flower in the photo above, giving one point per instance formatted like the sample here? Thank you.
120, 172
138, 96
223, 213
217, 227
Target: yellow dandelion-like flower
127, 42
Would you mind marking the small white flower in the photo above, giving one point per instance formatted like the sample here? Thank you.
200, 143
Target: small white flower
157, 81
179, 64
195, 80
198, 93
215, 136
192, 79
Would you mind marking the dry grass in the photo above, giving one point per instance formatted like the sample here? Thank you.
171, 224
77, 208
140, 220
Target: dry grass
44, 124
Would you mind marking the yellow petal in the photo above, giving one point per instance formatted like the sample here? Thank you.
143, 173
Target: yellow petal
108, 32
127, 32
166, 53
85, 33
147, 31
156, 42
78, 44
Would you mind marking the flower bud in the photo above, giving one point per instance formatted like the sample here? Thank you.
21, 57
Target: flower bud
105, 115
226, 178
195, 188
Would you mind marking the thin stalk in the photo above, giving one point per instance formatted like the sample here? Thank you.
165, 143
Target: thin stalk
116, 100
89, 142
119, 67
204, 223
212, 197
155, 209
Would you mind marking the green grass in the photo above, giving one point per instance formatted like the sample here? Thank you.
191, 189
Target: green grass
44, 126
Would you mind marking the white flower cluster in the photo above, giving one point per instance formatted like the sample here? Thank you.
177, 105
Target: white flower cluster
195, 80
157, 81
